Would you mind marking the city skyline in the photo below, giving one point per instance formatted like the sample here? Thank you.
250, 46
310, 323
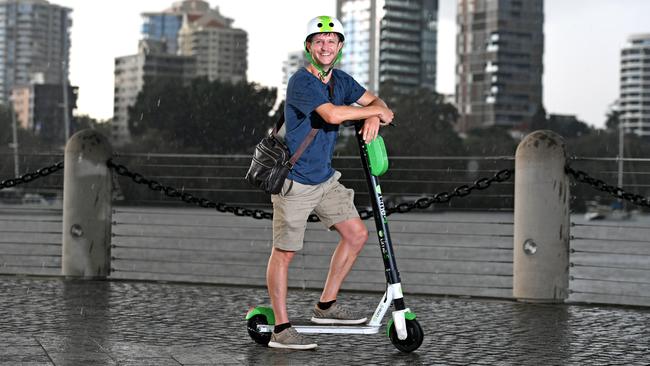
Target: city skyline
583, 39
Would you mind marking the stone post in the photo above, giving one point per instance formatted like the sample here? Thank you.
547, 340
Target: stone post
541, 226
87, 188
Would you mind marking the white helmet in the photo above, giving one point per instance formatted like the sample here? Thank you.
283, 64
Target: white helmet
324, 24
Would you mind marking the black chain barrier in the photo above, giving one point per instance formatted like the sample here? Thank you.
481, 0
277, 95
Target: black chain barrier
444, 197
600, 185
421, 203
28, 177
404, 207
187, 197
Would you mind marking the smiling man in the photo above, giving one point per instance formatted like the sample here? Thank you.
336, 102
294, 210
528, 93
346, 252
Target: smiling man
319, 97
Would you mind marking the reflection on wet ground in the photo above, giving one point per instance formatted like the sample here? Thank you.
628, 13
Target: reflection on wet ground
59, 322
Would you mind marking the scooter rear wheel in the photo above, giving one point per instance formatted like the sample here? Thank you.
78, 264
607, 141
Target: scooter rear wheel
414, 337
256, 335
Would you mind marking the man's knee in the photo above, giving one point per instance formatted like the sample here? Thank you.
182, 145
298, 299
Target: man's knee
357, 238
282, 257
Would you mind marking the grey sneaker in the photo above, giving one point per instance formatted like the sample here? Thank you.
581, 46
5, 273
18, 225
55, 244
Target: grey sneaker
290, 338
337, 314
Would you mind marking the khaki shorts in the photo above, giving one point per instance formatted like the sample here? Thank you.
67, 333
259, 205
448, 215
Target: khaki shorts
330, 200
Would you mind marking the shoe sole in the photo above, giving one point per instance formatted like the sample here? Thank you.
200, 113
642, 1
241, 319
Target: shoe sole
292, 346
338, 321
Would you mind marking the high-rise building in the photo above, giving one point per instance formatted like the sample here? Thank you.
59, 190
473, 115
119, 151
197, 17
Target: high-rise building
220, 50
499, 68
131, 72
38, 109
634, 101
295, 60
390, 41
34, 44
165, 25
185, 41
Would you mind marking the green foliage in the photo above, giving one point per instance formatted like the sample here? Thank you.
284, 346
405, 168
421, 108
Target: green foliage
26, 139
613, 120
84, 121
491, 141
567, 127
203, 117
5, 126
423, 124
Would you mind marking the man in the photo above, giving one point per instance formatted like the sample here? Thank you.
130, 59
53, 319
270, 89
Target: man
319, 97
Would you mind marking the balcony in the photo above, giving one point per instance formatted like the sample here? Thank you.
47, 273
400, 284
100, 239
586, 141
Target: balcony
401, 4
392, 24
400, 58
390, 35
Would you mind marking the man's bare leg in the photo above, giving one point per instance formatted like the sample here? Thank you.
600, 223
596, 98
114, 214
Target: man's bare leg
353, 237
277, 275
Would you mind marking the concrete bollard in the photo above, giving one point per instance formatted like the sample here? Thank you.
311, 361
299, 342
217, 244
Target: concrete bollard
541, 227
87, 188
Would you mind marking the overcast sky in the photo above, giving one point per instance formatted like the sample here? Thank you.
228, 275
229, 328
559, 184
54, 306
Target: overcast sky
583, 39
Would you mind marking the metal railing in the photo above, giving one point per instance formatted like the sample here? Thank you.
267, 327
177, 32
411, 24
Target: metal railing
461, 248
191, 244
31, 216
609, 247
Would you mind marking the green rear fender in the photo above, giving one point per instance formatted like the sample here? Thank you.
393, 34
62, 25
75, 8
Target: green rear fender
377, 157
262, 310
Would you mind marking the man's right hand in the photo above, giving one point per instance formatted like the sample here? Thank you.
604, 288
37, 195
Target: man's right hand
385, 115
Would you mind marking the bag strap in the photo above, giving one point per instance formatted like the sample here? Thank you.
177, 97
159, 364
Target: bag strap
303, 146
278, 124
308, 139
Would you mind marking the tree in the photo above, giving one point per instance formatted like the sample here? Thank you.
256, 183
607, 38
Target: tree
539, 119
5, 126
203, 117
567, 126
26, 139
613, 120
423, 123
490, 141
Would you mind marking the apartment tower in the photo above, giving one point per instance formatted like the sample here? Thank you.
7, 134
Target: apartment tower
390, 41
500, 45
34, 44
634, 101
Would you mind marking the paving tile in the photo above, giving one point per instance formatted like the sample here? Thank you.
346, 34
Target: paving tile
13, 350
81, 358
152, 361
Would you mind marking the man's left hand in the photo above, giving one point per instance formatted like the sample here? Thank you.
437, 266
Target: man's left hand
370, 129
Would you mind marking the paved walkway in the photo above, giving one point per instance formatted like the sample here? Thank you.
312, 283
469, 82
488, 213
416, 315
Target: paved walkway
56, 322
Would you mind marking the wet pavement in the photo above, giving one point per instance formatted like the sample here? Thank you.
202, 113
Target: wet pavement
51, 321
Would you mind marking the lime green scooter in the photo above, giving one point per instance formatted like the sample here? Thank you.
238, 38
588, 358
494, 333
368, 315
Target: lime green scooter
403, 328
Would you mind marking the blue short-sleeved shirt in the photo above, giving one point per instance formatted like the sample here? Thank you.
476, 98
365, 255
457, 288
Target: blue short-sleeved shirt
305, 93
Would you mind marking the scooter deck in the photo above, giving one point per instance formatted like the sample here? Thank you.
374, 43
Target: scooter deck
309, 327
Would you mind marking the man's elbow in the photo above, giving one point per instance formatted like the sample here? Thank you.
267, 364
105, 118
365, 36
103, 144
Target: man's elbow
332, 118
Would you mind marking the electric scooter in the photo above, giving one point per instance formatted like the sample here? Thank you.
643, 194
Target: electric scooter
403, 328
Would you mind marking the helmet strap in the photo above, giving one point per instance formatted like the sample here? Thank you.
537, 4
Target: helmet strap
322, 73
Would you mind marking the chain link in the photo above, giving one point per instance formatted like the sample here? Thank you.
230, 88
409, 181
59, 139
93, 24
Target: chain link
422, 203
28, 177
444, 197
187, 197
600, 185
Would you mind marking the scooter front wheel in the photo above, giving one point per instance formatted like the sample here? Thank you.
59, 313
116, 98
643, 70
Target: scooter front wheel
256, 335
414, 337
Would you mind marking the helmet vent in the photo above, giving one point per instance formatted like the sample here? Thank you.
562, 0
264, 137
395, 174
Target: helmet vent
320, 25
331, 24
